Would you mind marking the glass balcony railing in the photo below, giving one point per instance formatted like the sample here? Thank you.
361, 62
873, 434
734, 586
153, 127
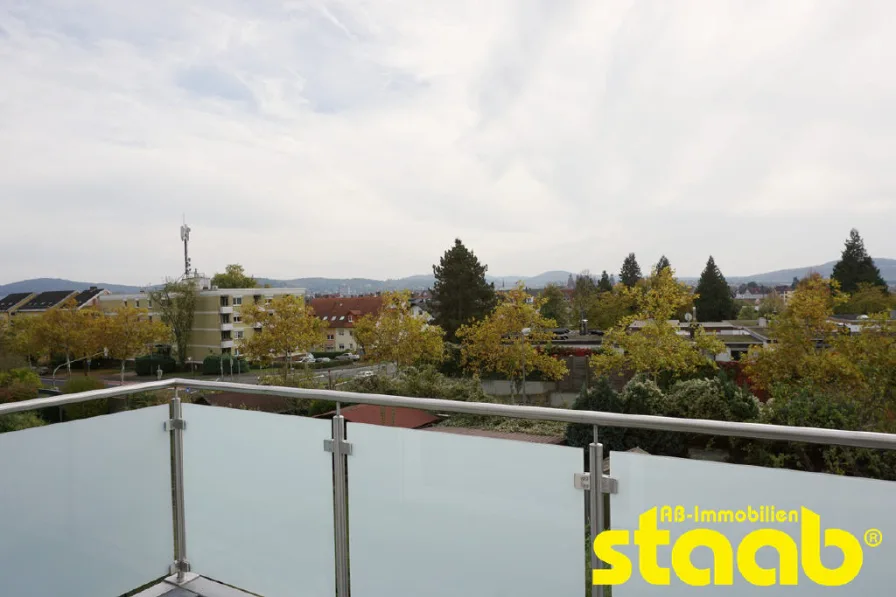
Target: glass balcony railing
197, 500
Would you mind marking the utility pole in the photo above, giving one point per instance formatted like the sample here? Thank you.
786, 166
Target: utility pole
185, 237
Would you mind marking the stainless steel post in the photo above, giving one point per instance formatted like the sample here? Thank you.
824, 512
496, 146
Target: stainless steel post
596, 501
181, 563
340, 512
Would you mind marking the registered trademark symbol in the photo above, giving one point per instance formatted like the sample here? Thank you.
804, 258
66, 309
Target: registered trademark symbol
873, 537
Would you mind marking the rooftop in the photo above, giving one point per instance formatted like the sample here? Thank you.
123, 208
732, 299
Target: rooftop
11, 300
47, 300
337, 310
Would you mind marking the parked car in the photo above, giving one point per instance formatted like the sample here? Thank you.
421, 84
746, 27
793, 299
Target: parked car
308, 358
323, 360
367, 373
348, 357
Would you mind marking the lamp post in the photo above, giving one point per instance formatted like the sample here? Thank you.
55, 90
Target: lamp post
523, 334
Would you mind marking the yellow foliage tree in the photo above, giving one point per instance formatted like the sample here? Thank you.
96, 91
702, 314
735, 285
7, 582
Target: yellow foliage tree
285, 328
509, 340
70, 331
656, 346
395, 335
811, 351
23, 338
127, 331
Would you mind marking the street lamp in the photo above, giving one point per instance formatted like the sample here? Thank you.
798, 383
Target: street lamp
523, 334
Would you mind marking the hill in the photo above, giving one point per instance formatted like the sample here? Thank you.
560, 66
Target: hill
424, 281
785, 276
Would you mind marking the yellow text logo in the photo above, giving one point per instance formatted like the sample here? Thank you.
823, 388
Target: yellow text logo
793, 556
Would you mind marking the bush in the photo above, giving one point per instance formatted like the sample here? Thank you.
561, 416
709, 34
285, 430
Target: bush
213, 363
149, 364
18, 384
19, 421
84, 410
827, 412
639, 397
329, 354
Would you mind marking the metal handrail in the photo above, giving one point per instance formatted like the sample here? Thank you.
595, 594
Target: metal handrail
859, 439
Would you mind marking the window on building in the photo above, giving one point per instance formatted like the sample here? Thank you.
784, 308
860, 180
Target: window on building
137, 303
238, 334
237, 318
349, 318
341, 332
330, 337
342, 347
150, 319
237, 300
149, 304
341, 317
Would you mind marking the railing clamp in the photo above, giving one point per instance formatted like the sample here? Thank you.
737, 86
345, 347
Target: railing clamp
179, 566
172, 424
607, 484
345, 447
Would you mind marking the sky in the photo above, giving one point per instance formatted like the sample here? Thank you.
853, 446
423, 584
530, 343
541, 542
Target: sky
359, 138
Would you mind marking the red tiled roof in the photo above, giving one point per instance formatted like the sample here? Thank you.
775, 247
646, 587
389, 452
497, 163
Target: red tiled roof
520, 437
408, 418
356, 306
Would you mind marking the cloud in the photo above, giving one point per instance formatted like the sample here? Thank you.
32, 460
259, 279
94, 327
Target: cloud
359, 138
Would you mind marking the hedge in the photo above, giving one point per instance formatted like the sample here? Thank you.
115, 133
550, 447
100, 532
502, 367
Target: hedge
149, 364
332, 354
212, 364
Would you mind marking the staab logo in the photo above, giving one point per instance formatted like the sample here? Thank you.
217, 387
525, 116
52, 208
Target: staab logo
792, 556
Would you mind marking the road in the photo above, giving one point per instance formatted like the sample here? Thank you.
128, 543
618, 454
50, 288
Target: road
340, 375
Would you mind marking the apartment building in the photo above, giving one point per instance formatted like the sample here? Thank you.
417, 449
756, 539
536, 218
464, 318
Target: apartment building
341, 314
217, 322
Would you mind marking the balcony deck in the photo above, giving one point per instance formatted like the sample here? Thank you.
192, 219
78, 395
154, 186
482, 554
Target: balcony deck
198, 586
281, 505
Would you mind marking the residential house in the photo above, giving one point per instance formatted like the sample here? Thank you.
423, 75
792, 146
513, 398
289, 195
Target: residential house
341, 314
217, 322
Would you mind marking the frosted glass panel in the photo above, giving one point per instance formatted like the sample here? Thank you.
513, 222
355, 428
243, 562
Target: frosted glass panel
764, 499
85, 506
445, 515
259, 501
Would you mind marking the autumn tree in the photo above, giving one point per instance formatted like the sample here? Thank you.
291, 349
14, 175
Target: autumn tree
771, 304
866, 300
509, 341
809, 352
460, 294
714, 302
234, 276
555, 306
23, 338
630, 273
127, 331
395, 335
69, 331
856, 266
175, 302
584, 296
656, 346
286, 327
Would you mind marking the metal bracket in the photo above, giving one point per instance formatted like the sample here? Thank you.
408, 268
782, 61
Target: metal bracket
172, 424
344, 448
179, 566
607, 484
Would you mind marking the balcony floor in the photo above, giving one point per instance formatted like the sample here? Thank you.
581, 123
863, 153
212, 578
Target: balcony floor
197, 587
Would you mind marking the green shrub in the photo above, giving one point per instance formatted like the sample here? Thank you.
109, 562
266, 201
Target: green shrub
330, 354
149, 364
18, 384
212, 364
84, 410
19, 421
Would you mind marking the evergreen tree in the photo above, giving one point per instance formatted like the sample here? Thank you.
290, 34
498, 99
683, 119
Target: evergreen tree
856, 266
555, 306
604, 285
570, 282
714, 302
662, 263
795, 283
460, 294
630, 273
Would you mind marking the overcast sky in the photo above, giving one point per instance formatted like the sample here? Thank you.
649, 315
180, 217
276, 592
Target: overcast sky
359, 137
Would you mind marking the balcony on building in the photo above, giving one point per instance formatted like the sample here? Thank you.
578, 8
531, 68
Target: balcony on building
191, 500
226, 327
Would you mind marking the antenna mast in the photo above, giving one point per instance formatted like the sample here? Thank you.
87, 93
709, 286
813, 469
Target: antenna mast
185, 237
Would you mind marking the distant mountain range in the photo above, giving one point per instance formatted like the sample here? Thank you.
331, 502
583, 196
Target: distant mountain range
422, 282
